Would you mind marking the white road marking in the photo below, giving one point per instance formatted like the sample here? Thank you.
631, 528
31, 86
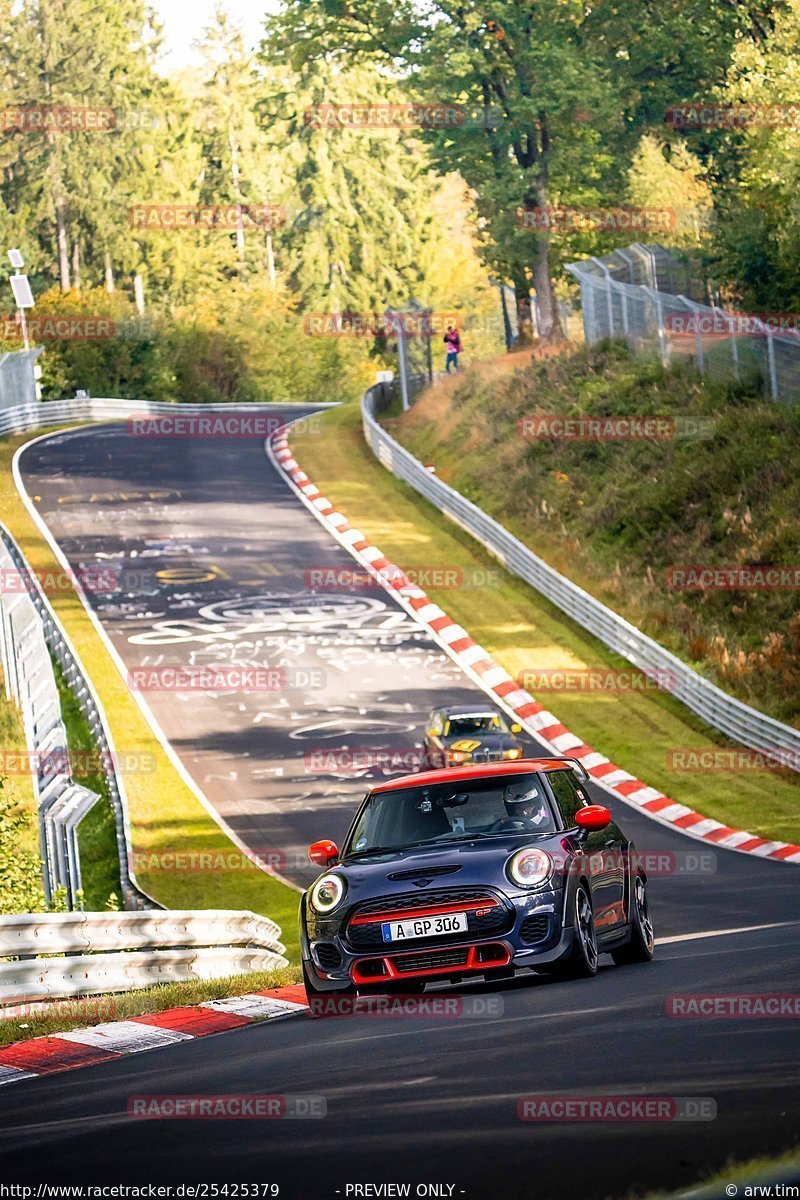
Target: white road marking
257, 1007
125, 1037
14, 1075
709, 933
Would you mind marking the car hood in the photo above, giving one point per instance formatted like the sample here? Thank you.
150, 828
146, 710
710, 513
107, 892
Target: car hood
460, 864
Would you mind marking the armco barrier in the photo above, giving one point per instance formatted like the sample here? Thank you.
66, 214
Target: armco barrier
26, 417
723, 712
114, 952
29, 631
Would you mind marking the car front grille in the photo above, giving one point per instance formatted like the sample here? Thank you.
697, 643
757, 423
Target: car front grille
328, 955
484, 756
497, 917
433, 960
535, 928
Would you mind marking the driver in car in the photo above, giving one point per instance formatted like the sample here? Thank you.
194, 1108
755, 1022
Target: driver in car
526, 809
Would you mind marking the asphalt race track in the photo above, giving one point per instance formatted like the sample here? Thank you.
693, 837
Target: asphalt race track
210, 562
418, 1100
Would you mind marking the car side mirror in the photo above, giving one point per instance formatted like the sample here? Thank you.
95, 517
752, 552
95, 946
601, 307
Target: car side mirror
516, 729
593, 818
324, 853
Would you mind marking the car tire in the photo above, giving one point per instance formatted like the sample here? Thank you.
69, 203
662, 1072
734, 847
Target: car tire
641, 946
582, 961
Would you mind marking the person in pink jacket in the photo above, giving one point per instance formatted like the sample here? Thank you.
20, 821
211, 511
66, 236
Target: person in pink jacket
452, 341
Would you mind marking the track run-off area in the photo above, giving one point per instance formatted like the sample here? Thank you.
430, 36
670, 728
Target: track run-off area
210, 561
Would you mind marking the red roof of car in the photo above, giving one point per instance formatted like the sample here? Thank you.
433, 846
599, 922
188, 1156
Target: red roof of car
520, 766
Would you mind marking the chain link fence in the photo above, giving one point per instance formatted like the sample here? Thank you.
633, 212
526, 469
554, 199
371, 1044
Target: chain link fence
635, 294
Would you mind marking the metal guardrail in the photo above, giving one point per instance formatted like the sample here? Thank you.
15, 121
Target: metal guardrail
29, 631
719, 710
25, 417
114, 952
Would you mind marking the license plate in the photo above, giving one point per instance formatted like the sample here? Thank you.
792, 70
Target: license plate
401, 931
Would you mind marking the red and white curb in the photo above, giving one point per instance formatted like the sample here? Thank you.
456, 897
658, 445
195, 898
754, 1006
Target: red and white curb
505, 691
116, 1039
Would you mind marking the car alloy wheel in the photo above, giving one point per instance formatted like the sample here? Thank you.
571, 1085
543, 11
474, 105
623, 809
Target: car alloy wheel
641, 946
582, 961
585, 929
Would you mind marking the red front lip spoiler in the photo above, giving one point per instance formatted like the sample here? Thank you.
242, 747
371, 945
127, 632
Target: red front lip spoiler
433, 910
478, 958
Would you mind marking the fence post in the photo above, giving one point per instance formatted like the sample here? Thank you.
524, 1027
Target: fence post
773, 371
662, 335
402, 351
396, 325
589, 324
609, 298
734, 347
698, 339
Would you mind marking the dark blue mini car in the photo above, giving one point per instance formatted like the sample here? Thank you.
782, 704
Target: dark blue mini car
473, 871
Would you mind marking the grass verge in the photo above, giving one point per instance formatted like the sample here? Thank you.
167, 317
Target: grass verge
20, 864
97, 839
165, 814
761, 1171
631, 519
84, 1011
637, 730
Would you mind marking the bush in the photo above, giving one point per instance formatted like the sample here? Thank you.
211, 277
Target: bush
251, 349
20, 868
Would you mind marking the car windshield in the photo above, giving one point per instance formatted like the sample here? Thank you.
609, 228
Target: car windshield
450, 811
474, 725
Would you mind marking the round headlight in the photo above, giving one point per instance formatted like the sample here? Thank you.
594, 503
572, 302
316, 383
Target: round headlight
530, 868
326, 893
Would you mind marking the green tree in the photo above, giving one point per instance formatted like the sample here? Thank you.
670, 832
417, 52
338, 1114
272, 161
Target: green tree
758, 237
70, 184
520, 71
359, 201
